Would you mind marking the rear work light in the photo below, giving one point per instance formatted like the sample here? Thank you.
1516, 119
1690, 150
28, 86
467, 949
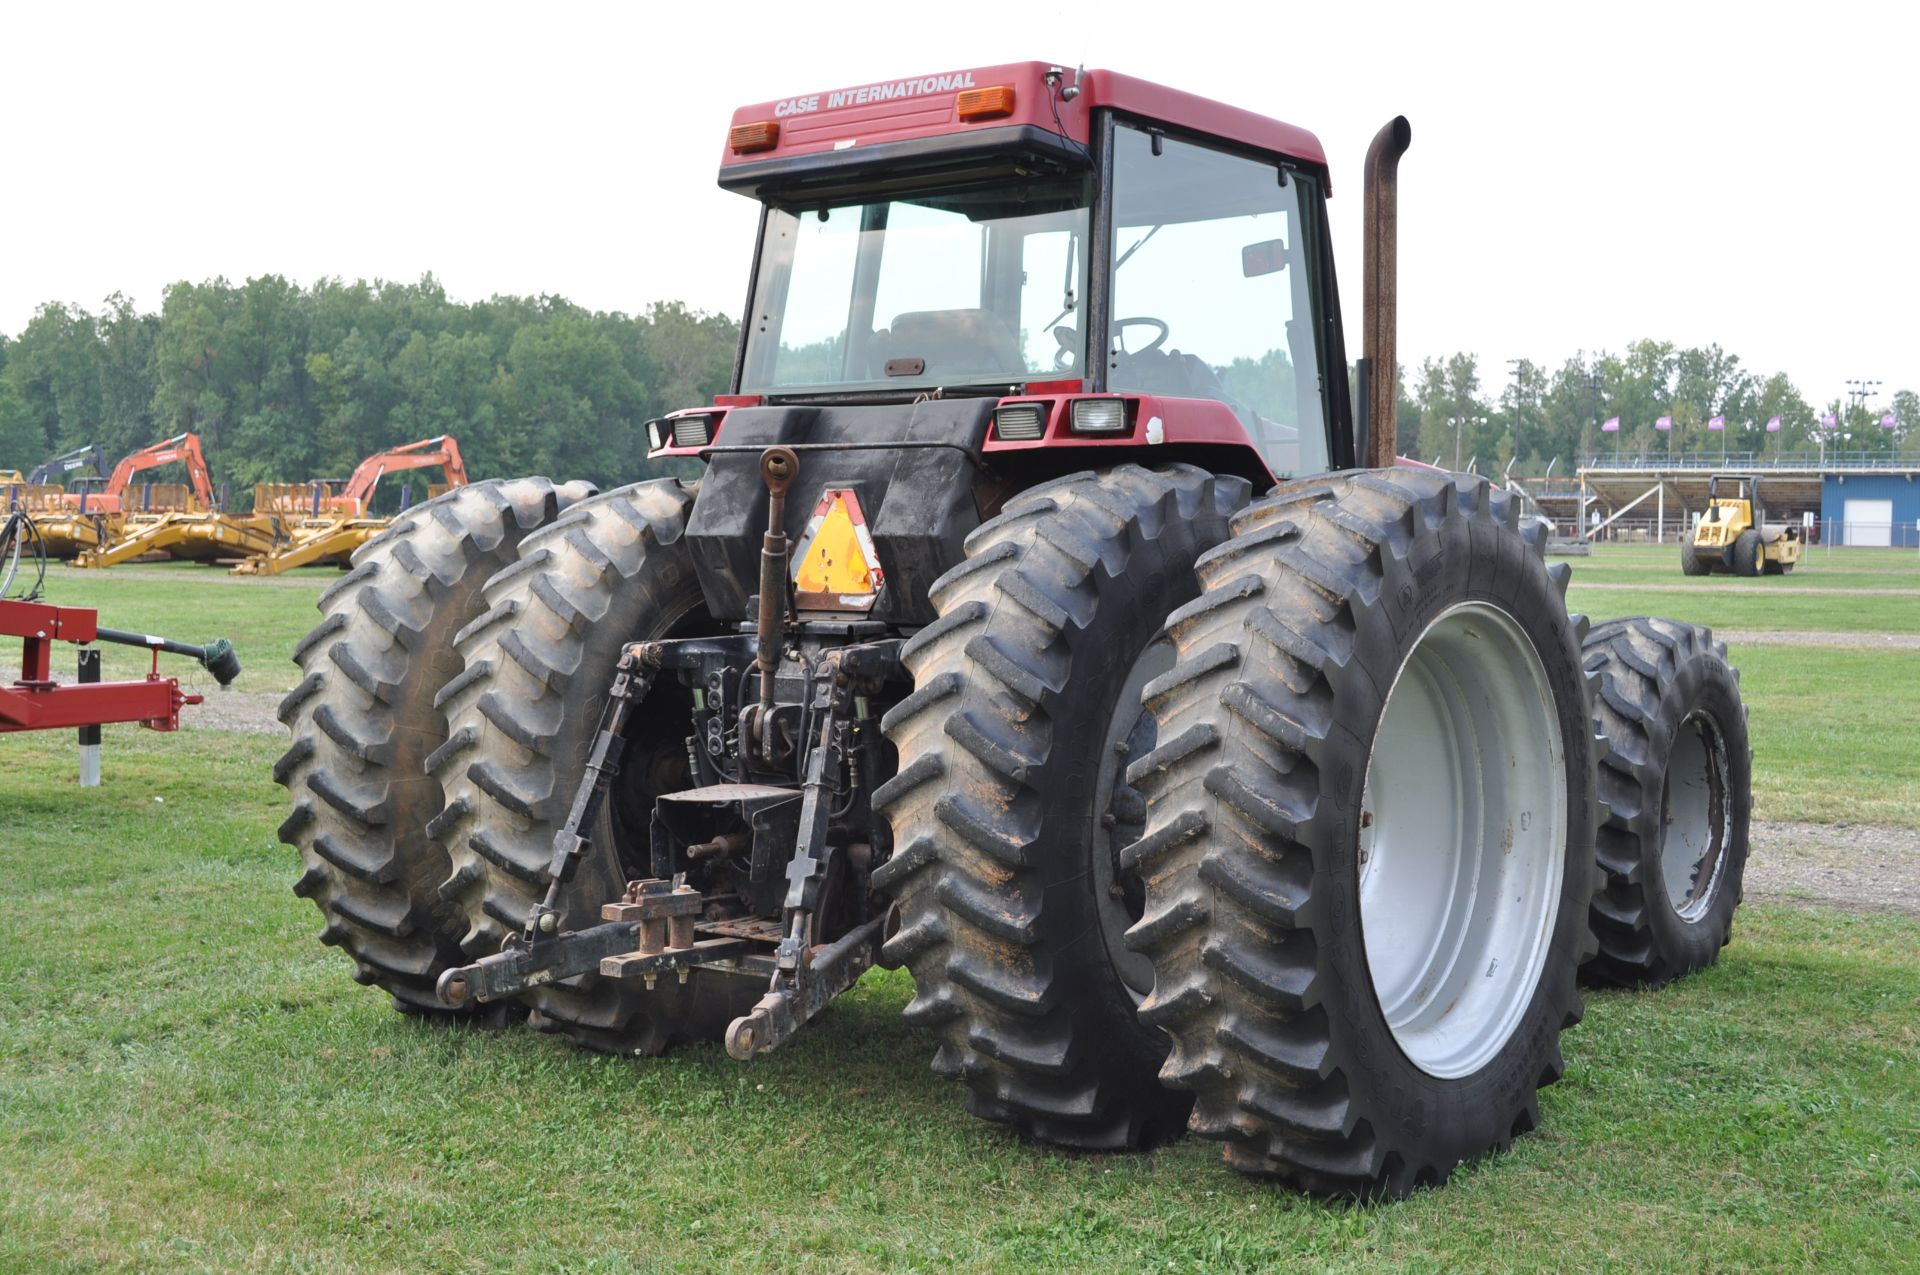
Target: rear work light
985, 104
1099, 415
1020, 423
692, 431
744, 139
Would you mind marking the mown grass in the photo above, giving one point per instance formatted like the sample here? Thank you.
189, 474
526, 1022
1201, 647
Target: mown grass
1611, 583
189, 1082
187, 602
1822, 567
1786, 612
1833, 733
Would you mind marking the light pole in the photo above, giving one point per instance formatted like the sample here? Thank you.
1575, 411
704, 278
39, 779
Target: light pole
1519, 367
1859, 390
1594, 385
1459, 423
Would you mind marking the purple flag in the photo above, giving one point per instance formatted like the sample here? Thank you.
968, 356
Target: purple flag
1718, 422
1829, 421
1665, 422
1773, 425
1610, 426
1887, 421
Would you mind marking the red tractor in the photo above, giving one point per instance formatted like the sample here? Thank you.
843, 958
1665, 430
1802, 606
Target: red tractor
1036, 624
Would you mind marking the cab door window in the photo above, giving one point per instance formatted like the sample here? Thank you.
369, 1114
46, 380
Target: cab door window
1212, 291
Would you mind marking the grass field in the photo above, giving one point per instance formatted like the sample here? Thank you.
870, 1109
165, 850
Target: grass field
189, 1082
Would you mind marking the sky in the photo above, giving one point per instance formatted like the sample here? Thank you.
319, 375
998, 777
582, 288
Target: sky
1581, 176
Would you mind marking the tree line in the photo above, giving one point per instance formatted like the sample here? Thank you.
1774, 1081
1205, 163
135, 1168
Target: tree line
1541, 417
285, 383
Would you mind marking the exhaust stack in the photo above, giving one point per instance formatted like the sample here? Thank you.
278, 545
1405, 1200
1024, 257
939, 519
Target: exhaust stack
1380, 290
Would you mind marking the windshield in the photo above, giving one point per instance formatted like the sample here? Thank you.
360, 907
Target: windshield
978, 285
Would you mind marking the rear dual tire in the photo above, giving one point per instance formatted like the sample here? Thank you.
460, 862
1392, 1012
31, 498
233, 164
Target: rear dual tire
364, 720
1010, 806
522, 718
1357, 635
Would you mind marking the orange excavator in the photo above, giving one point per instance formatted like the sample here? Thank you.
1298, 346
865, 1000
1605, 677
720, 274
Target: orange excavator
98, 513
194, 528
184, 448
325, 526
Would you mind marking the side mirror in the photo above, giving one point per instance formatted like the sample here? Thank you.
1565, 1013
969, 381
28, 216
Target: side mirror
1266, 257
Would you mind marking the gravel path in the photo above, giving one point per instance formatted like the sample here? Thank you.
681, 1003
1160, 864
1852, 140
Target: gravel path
1798, 637
1860, 867
249, 712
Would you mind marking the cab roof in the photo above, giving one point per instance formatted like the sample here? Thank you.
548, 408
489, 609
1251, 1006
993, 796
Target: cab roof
921, 114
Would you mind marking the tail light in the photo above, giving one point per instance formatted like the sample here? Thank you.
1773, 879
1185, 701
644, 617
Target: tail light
692, 431
1099, 416
1021, 422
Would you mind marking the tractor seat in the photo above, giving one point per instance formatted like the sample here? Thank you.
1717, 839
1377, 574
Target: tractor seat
952, 342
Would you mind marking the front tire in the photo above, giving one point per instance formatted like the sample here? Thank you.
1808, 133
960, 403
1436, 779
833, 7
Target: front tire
1678, 785
1749, 555
1691, 563
1010, 805
1369, 855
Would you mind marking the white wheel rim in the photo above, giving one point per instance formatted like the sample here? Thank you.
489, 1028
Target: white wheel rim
1462, 840
1694, 817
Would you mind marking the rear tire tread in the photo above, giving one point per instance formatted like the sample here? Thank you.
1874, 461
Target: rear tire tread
363, 721
976, 740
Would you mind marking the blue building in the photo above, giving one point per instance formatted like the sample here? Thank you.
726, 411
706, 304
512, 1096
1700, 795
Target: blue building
1871, 508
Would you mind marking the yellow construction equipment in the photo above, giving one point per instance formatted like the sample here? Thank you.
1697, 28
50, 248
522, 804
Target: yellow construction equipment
323, 526
1734, 535
115, 526
193, 535
66, 527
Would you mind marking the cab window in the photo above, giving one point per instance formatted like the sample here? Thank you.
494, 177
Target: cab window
1211, 291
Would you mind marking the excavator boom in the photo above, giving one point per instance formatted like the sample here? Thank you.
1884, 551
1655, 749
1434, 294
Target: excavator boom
63, 466
181, 447
442, 451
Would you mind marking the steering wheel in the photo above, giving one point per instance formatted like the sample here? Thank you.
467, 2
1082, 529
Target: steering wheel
1141, 321
1069, 339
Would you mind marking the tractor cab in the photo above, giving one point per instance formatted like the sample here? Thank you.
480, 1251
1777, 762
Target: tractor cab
1102, 261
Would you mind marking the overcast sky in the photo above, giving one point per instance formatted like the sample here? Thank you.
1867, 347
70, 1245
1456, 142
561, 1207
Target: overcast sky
1581, 175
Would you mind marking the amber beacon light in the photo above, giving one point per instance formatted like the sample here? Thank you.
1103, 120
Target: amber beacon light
986, 104
744, 139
